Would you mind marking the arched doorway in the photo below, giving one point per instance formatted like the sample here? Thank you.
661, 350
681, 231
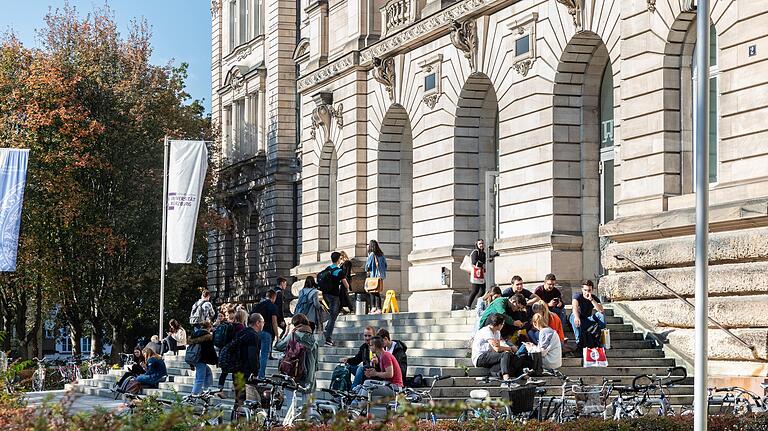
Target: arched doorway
476, 164
583, 148
394, 169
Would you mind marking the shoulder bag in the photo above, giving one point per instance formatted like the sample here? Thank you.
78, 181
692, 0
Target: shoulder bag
374, 284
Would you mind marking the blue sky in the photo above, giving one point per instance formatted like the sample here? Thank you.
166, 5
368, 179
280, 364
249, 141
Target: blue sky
181, 30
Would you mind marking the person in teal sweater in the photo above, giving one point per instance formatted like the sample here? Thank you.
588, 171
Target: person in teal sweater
513, 311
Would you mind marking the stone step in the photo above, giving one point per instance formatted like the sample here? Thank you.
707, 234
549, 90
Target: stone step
430, 315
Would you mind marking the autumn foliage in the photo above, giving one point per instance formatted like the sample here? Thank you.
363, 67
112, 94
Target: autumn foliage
93, 111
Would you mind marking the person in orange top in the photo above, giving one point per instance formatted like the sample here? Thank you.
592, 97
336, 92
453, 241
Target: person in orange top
555, 323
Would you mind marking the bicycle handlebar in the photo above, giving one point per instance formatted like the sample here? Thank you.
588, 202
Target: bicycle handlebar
657, 382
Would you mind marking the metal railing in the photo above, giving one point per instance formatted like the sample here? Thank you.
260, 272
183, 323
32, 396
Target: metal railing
751, 347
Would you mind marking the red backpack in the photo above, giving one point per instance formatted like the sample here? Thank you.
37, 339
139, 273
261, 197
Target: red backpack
293, 362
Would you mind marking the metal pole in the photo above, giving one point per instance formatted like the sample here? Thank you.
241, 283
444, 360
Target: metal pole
701, 154
165, 222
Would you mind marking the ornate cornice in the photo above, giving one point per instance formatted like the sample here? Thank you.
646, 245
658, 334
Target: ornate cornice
215, 8
464, 38
336, 68
384, 73
437, 22
652, 5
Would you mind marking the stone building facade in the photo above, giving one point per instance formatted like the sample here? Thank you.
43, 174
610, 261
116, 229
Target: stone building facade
560, 131
254, 104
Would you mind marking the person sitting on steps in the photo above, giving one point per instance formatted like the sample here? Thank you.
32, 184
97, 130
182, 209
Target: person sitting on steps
484, 302
552, 296
396, 348
488, 351
517, 287
362, 359
512, 310
582, 318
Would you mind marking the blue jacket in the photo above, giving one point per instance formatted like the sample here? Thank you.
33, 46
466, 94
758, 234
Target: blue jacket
156, 372
370, 266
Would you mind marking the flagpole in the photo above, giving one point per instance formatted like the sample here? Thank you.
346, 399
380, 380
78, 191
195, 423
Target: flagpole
165, 222
701, 155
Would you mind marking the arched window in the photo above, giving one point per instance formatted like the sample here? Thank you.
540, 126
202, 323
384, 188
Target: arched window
606, 145
713, 93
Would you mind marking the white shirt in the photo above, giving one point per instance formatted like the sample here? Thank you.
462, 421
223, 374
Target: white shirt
480, 343
550, 348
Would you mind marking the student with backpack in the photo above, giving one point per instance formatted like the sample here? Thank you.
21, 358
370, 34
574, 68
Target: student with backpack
200, 355
240, 317
241, 356
300, 358
202, 310
309, 304
329, 281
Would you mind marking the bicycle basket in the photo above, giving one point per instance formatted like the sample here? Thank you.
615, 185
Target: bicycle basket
590, 400
521, 399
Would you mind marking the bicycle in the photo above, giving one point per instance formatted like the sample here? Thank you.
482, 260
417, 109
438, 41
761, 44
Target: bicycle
95, 366
560, 408
656, 392
265, 410
480, 406
737, 401
203, 401
419, 400
341, 406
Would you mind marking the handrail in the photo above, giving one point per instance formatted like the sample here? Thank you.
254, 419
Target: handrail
751, 347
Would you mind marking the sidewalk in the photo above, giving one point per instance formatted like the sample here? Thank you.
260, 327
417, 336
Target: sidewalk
79, 402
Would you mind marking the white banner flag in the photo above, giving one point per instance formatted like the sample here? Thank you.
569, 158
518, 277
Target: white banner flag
13, 177
187, 165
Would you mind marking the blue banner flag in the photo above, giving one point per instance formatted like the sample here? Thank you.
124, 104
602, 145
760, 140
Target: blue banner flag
13, 177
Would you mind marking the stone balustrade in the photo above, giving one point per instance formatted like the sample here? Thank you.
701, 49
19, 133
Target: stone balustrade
396, 14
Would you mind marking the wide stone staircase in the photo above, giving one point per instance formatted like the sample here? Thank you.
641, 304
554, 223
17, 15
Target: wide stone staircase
438, 344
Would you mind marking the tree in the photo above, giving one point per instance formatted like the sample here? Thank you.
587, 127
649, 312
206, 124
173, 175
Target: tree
93, 110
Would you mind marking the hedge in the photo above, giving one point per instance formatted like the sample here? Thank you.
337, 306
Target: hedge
148, 416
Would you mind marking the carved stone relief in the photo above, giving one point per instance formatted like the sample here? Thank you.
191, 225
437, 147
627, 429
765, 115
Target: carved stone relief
324, 114
574, 9
384, 73
464, 38
652, 5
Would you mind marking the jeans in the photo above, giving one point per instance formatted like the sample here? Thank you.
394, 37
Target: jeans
264, 350
333, 313
533, 335
497, 361
169, 345
586, 323
203, 378
359, 372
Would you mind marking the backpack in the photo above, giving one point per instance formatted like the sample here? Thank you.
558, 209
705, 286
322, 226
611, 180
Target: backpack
341, 378
198, 314
222, 334
327, 283
293, 362
129, 386
590, 337
192, 354
230, 357
305, 301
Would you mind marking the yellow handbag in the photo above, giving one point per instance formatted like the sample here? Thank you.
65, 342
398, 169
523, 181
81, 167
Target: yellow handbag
374, 284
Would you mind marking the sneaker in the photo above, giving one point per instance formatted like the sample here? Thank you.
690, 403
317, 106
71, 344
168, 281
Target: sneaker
328, 343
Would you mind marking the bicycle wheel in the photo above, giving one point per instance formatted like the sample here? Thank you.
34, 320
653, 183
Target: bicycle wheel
240, 414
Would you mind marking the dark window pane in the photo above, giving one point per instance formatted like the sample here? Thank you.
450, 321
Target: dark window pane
430, 82
522, 45
607, 179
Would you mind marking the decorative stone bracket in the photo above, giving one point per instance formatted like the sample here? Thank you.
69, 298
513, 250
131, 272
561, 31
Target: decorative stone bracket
464, 38
324, 114
215, 8
652, 5
574, 9
384, 73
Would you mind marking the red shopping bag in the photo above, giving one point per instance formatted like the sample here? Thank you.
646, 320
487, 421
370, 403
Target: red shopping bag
595, 357
477, 276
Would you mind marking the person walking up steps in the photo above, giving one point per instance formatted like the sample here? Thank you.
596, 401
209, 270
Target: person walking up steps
477, 276
203, 310
330, 281
376, 266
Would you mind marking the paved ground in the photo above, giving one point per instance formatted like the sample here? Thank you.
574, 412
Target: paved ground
79, 402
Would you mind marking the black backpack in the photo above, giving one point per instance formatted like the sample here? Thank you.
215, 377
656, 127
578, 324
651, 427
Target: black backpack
222, 334
230, 357
327, 283
590, 337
